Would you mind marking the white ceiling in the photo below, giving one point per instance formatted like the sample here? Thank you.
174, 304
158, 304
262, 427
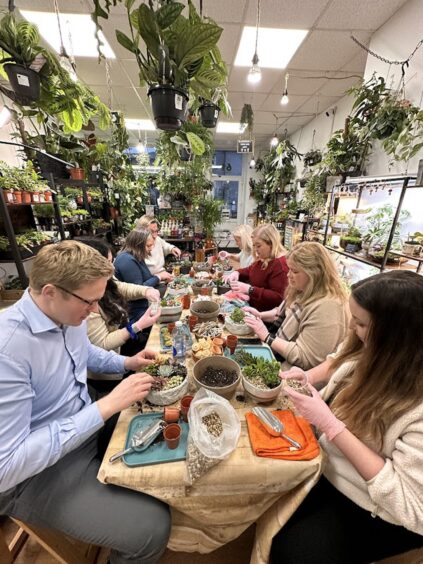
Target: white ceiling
326, 52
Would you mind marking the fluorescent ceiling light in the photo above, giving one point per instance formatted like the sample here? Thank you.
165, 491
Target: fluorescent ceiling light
140, 124
230, 127
275, 47
79, 27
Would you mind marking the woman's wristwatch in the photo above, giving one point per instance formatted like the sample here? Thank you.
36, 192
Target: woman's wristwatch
250, 290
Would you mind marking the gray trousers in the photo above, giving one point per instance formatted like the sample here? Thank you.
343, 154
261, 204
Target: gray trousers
68, 497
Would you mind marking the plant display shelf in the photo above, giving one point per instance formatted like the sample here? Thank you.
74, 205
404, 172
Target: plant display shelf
404, 182
14, 204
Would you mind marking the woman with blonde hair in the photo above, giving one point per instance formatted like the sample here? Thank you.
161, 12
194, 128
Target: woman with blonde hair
312, 320
370, 421
242, 236
264, 282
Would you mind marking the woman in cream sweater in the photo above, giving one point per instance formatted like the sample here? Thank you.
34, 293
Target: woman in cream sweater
312, 320
368, 506
109, 327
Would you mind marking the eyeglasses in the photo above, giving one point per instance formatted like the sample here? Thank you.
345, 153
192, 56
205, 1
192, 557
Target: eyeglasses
89, 303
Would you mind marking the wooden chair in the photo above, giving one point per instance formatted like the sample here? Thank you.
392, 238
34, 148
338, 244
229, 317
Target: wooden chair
65, 549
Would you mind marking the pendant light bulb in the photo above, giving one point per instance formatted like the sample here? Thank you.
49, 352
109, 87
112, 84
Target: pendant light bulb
140, 147
252, 163
254, 74
274, 141
285, 98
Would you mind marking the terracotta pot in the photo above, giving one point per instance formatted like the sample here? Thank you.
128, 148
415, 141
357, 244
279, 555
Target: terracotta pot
36, 197
186, 301
18, 197
79, 200
231, 342
77, 173
171, 414
193, 320
185, 404
48, 196
26, 197
114, 213
172, 435
8, 196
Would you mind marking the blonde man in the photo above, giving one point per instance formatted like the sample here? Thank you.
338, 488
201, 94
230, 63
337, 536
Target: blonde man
156, 260
312, 320
49, 426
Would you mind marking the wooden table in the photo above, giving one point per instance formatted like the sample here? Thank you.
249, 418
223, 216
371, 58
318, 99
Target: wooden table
239, 491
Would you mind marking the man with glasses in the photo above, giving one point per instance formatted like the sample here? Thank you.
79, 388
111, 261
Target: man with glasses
156, 259
50, 430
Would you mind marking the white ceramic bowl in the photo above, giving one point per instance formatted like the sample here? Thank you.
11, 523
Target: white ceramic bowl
239, 329
171, 310
166, 397
259, 395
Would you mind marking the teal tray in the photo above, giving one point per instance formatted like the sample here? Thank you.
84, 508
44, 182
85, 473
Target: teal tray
259, 351
156, 453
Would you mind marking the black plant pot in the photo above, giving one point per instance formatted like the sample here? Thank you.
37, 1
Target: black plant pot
185, 269
25, 82
209, 114
222, 289
184, 154
169, 105
50, 166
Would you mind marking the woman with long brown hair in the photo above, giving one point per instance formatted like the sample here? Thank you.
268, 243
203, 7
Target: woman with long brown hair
265, 280
368, 506
312, 320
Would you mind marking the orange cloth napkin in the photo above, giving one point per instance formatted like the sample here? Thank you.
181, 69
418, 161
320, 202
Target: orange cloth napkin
264, 444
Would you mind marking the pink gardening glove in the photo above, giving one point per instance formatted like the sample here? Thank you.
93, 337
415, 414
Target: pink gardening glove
240, 287
231, 277
257, 326
294, 373
315, 410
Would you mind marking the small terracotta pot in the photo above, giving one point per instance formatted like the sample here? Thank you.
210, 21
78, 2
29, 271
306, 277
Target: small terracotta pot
8, 196
193, 320
170, 327
185, 404
231, 342
48, 196
186, 301
171, 414
26, 197
77, 173
18, 197
206, 291
36, 197
218, 341
172, 435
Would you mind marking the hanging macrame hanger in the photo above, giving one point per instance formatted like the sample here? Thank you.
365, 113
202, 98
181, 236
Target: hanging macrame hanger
313, 146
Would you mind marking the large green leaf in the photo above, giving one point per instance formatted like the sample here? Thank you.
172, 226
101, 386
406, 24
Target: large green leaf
168, 13
126, 42
196, 43
196, 144
148, 29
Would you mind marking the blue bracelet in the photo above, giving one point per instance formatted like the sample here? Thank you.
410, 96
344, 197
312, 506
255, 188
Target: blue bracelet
131, 331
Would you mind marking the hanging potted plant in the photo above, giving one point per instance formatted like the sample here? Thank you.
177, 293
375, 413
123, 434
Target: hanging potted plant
19, 44
247, 118
177, 55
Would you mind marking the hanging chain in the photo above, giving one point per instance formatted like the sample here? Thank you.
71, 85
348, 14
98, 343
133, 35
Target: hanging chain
257, 25
109, 84
403, 64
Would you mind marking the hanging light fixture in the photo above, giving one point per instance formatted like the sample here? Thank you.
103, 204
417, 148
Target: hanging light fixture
285, 98
140, 147
254, 74
275, 139
252, 162
67, 63
5, 116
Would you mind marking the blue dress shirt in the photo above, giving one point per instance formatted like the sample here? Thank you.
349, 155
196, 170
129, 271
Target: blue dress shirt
45, 409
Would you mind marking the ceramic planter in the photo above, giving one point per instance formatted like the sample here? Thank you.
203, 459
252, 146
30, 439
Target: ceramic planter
258, 394
169, 105
77, 173
217, 362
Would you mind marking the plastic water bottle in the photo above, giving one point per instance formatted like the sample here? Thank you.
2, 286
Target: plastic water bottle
179, 342
187, 333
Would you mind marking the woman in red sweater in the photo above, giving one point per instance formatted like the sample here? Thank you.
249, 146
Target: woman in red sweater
265, 280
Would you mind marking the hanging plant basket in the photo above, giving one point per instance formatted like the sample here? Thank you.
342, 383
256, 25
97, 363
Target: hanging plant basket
209, 114
24, 82
169, 105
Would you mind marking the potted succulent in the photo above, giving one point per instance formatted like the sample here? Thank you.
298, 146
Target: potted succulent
235, 323
351, 241
221, 286
260, 379
413, 244
175, 54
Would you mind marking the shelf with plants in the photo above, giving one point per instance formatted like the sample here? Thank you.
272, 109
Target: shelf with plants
377, 239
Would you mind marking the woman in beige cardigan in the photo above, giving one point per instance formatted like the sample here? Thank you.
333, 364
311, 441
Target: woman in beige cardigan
312, 320
368, 505
108, 327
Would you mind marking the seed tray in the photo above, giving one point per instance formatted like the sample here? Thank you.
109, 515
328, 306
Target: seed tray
156, 453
